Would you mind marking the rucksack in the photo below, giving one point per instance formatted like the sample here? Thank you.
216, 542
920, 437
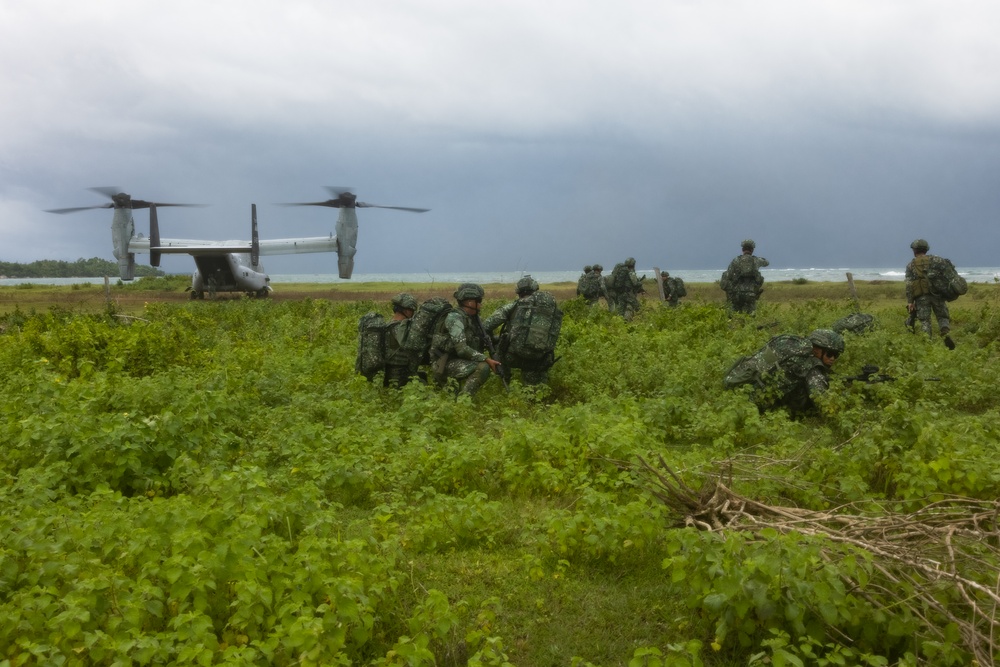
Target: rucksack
590, 286
857, 323
423, 324
371, 345
743, 269
944, 279
533, 329
677, 289
620, 283
752, 369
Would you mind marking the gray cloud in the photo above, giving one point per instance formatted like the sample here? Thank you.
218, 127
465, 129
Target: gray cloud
542, 135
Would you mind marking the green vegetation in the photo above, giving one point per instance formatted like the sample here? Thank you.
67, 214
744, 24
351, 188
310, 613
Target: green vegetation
95, 267
211, 483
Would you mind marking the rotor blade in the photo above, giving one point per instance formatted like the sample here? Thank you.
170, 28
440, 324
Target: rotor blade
108, 190
78, 208
361, 204
139, 203
332, 203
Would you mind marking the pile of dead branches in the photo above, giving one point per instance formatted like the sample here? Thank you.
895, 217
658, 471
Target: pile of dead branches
951, 543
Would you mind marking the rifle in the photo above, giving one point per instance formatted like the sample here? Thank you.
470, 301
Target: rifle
488, 341
911, 321
869, 374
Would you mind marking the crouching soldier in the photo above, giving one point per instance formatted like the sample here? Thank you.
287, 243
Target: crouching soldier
380, 344
399, 366
529, 331
457, 348
790, 371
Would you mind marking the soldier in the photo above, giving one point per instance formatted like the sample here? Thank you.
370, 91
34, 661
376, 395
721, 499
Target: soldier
602, 282
543, 316
457, 349
591, 286
921, 299
790, 371
673, 289
582, 282
624, 288
742, 281
399, 367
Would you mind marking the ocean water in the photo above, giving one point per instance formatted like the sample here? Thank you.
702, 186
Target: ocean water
973, 275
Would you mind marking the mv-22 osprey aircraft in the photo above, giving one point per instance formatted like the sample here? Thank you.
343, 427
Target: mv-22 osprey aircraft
229, 266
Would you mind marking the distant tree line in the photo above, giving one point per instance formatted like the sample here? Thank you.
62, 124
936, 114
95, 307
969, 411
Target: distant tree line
95, 267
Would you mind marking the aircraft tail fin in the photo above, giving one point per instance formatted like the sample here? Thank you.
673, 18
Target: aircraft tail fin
254, 238
154, 237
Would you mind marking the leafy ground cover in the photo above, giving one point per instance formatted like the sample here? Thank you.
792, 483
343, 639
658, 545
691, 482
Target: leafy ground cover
211, 483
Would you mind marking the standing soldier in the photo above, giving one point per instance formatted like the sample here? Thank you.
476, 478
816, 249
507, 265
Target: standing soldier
591, 286
582, 282
742, 281
625, 287
602, 283
673, 289
922, 297
457, 349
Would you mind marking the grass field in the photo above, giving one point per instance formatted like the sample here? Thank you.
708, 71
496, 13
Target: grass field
211, 482
93, 296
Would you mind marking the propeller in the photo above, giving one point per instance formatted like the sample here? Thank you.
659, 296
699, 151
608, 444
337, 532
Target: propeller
343, 197
118, 199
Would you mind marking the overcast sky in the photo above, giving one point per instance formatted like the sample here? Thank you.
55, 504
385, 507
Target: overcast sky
544, 135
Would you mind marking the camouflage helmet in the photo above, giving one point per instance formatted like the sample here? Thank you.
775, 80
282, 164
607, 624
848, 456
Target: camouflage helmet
404, 301
588, 268
468, 291
630, 261
920, 245
748, 243
827, 339
664, 274
526, 285
598, 267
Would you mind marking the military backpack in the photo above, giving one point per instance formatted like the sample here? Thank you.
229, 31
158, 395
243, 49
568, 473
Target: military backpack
754, 368
677, 288
743, 270
620, 282
590, 286
944, 279
857, 323
533, 329
371, 345
424, 323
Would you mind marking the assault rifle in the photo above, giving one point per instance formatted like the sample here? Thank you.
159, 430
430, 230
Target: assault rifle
911, 321
869, 373
488, 341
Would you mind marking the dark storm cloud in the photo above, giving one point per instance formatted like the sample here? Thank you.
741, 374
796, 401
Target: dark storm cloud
542, 136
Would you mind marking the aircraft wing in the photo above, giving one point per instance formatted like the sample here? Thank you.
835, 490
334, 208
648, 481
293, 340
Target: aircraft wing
297, 246
267, 247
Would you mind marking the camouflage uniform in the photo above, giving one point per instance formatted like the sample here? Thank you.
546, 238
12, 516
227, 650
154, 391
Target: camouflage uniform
592, 286
920, 297
531, 373
742, 281
580, 284
458, 349
625, 290
671, 289
399, 367
786, 372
